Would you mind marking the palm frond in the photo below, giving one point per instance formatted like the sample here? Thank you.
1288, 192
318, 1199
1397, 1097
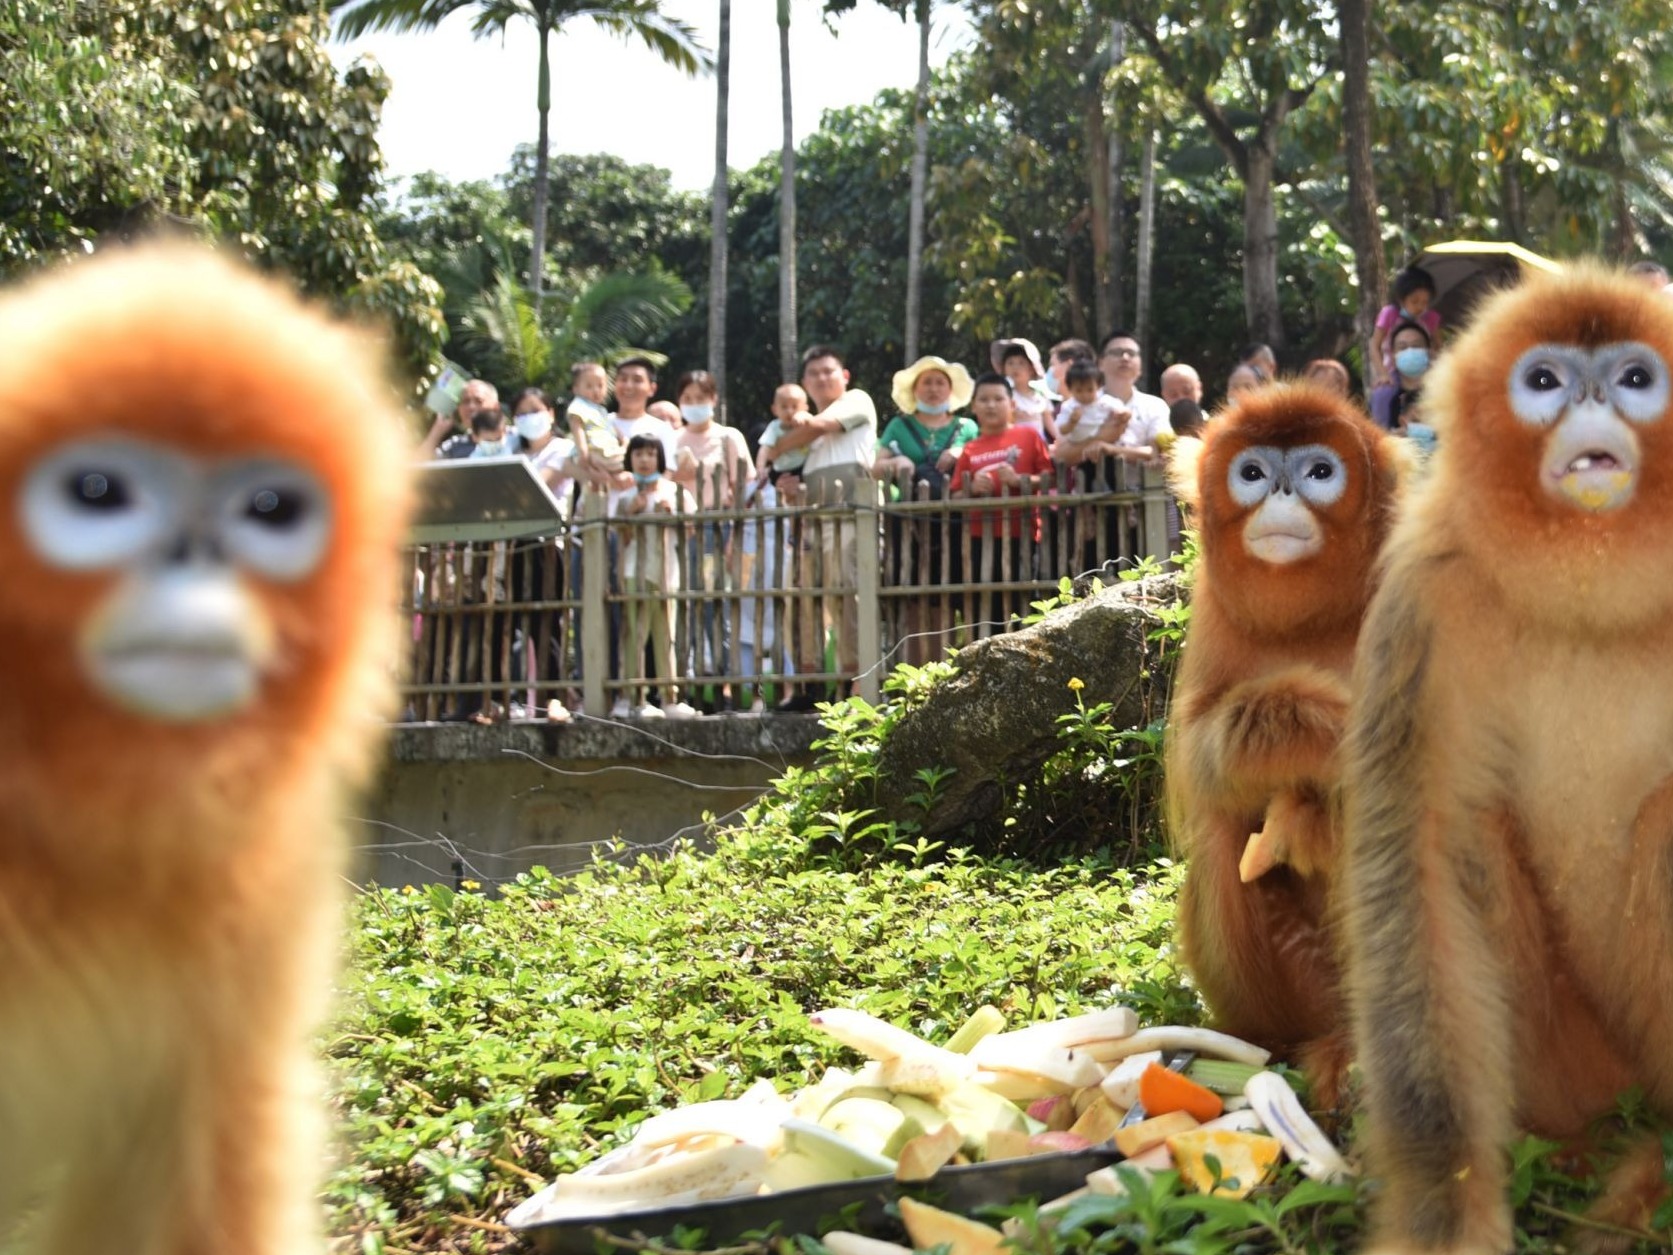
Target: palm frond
674, 41
620, 308
353, 18
503, 321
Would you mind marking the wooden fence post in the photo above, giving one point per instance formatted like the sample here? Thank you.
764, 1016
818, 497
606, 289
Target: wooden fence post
868, 540
595, 608
1153, 526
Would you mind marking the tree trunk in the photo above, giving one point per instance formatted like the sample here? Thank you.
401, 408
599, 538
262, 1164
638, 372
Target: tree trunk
1510, 189
1147, 237
1260, 248
717, 213
788, 348
1098, 180
920, 177
1117, 162
1369, 264
543, 103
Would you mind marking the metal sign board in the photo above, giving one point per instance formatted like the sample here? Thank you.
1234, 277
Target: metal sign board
483, 499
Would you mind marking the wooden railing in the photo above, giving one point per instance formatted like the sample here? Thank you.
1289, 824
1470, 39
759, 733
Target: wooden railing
762, 597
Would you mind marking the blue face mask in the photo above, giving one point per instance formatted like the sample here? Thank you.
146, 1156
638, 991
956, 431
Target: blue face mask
925, 407
697, 415
645, 481
1411, 362
490, 448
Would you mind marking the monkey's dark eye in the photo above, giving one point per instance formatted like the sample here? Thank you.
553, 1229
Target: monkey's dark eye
1543, 379
95, 490
278, 508
1636, 376
1251, 472
1320, 470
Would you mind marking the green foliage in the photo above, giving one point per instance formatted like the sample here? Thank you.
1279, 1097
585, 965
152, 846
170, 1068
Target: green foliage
485, 1039
223, 117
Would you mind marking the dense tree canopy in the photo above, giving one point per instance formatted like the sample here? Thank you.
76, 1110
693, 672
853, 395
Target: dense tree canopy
1533, 120
222, 117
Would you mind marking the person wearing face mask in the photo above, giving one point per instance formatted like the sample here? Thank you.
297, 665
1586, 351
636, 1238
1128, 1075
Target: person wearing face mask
711, 461
921, 443
488, 434
1411, 346
534, 577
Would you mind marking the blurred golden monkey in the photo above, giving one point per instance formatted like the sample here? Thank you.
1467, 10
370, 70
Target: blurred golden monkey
205, 495
1509, 771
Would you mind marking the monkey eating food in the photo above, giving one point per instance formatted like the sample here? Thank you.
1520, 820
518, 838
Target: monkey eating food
204, 498
1509, 765
1293, 491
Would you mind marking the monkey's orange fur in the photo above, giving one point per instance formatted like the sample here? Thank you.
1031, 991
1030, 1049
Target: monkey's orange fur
1256, 720
1509, 862
169, 892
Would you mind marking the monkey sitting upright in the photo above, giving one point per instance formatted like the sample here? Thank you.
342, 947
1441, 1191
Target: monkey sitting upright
1509, 773
1293, 491
204, 490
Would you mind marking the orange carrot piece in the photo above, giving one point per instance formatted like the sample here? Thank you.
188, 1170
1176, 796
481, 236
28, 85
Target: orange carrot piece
1162, 1090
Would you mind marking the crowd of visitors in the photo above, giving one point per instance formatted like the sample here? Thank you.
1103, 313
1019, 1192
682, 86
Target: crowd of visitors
1026, 425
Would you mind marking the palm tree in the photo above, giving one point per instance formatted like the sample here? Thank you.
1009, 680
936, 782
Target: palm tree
717, 211
672, 40
787, 331
601, 318
920, 177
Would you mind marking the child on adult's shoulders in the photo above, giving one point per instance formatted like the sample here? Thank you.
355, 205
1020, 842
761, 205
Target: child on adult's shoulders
599, 452
1414, 296
1031, 395
1091, 421
782, 469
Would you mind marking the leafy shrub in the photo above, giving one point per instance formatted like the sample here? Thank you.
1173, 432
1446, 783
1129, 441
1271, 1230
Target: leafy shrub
486, 1042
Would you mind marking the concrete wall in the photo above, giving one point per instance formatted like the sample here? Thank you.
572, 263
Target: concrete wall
498, 800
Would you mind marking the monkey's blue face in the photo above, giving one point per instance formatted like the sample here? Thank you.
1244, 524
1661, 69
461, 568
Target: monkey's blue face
1285, 488
1590, 401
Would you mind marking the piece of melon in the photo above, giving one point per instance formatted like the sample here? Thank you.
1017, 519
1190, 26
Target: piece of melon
1244, 1160
930, 1227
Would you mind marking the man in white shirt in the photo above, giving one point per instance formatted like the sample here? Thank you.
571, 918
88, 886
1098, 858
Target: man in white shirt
841, 438
1122, 364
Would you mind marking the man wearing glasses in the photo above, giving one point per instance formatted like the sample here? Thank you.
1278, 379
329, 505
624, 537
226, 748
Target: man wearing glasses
1122, 365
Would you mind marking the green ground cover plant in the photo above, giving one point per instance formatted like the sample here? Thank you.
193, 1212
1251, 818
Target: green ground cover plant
487, 1042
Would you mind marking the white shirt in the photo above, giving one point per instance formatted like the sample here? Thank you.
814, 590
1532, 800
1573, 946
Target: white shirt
854, 443
645, 425
1150, 419
1077, 423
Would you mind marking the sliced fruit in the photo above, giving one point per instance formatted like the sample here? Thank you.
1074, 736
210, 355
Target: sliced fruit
1098, 1122
872, 1124
1056, 1113
1009, 1144
1020, 1087
924, 1075
928, 1153
1243, 1160
842, 1242
976, 1110
691, 1177
1078, 1030
1121, 1086
878, 1039
1063, 1065
1058, 1143
741, 1119
1135, 1139
815, 1155
930, 1226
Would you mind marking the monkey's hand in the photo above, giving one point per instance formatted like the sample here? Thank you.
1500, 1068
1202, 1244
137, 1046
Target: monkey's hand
1282, 730
1300, 832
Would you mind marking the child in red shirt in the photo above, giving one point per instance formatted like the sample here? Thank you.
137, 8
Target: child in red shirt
1002, 461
